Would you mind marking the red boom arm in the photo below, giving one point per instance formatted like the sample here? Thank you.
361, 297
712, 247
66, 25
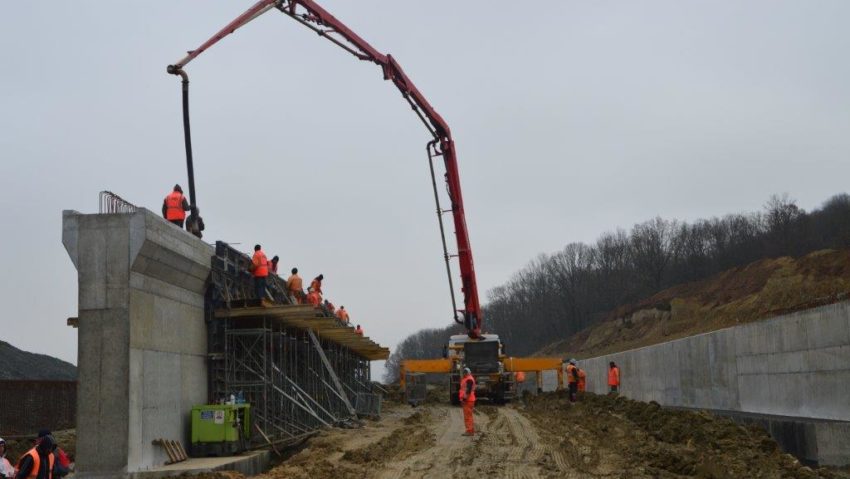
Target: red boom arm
313, 16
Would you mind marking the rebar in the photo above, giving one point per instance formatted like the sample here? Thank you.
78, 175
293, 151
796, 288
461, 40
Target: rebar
109, 203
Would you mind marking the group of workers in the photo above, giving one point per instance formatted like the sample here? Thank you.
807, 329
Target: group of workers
577, 379
46, 460
261, 267
174, 208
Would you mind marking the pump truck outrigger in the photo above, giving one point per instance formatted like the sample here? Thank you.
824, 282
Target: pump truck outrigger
316, 18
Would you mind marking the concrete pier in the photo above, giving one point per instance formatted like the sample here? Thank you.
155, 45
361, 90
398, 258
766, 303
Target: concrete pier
142, 337
792, 369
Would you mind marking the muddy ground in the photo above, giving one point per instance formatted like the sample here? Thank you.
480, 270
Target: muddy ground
544, 437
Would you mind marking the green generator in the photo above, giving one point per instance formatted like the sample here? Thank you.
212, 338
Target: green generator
220, 429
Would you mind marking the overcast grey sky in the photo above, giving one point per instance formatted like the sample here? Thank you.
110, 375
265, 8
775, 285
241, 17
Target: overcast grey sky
571, 118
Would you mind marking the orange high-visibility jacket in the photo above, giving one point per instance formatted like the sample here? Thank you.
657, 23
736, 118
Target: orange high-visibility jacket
467, 384
294, 283
582, 380
520, 377
36, 464
261, 264
342, 314
316, 286
358, 331
614, 376
174, 206
314, 299
572, 374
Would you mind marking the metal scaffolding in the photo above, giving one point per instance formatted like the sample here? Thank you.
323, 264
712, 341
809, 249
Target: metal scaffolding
295, 381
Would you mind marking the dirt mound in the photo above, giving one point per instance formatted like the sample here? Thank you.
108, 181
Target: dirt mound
602, 433
759, 290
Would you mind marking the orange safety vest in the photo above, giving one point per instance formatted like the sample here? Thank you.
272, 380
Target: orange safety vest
316, 286
358, 331
614, 376
342, 315
261, 264
36, 464
294, 283
174, 206
520, 377
313, 298
572, 376
582, 380
463, 386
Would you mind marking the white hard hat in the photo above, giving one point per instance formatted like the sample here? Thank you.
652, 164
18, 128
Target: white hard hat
467, 371
572, 361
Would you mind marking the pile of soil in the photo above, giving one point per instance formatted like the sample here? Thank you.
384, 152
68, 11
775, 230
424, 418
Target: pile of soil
640, 439
760, 290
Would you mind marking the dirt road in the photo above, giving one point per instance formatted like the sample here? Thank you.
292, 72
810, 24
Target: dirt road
546, 437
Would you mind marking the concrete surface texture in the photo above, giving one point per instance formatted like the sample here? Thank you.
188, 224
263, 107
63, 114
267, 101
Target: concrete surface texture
142, 337
249, 464
795, 365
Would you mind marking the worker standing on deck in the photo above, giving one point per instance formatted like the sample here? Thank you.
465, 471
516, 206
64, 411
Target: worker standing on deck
467, 400
358, 331
6, 469
316, 285
273, 264
39, 462
572, 379
260, 270
314, 299
194, 223
613, 377
295, 286
175, 206
330, 307
342, 314
582, 380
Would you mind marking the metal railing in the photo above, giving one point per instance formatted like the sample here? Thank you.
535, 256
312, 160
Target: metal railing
112, 203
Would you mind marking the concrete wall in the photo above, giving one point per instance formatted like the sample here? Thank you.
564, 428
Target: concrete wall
142, 337
795, 365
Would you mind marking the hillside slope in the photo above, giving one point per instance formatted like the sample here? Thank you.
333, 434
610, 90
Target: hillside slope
17, 364
759, 290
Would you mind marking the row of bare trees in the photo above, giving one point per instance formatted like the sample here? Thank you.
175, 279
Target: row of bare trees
559, 294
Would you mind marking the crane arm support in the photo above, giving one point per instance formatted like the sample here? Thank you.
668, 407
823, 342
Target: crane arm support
312, 15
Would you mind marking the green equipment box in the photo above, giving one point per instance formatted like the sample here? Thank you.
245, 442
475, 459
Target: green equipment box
220, 429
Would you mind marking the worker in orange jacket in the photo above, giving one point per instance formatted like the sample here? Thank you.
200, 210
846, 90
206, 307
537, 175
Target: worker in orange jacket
330, 307
316, 284
260, 270
613, 377
466, 394
39, 462
175, 206
314, 299
358, 331
295, 287
342, 314
582, 380
572, 379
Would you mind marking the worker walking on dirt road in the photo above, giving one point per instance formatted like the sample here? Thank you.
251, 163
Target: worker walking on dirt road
175, 206
582, 380
260, 270
613, 377
572, 379
467, 400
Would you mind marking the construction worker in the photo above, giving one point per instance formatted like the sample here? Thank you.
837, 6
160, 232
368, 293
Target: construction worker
613, 377
519, 377
175, 206
572, 379
582, 380
63, 463
316, 285
314, 299
342, 314
194, 223
330, 307
39, 462
358, 331
295, 286
273, 264
260, 270
6, 469
467, 400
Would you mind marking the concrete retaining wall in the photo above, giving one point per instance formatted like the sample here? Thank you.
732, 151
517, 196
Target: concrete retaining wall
142, 337
796, 365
